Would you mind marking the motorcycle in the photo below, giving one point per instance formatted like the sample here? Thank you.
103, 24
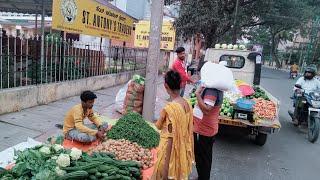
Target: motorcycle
307, 111
293, 75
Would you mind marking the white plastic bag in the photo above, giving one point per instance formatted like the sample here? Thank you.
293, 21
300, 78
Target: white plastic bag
217, 76
7, 156
121, 95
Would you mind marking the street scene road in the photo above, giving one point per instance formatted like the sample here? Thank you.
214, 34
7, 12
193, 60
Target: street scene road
287, 155
162, 89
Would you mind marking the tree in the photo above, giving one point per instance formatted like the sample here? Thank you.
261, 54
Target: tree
285, 18
214, 19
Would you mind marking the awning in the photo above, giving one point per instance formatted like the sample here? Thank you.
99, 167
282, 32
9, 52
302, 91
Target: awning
26, 6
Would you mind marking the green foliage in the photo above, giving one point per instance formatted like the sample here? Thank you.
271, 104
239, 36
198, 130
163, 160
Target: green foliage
263, 22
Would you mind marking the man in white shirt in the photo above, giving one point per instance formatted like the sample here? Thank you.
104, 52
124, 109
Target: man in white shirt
308, 82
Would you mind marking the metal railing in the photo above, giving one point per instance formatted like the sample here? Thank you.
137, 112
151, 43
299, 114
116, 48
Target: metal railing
21, 63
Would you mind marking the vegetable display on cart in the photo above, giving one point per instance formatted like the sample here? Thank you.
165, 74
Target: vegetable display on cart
259, 93
226, 108
265, 109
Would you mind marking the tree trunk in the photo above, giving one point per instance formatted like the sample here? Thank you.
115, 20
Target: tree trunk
197, 45
274, 46
209, 40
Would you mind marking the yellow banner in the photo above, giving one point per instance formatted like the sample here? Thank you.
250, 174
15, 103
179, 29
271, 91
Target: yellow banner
91, 18
142, 31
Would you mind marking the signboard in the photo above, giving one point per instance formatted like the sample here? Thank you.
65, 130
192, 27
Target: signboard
142, 32
91, 18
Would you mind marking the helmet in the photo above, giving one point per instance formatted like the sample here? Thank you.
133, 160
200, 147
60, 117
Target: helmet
311, 70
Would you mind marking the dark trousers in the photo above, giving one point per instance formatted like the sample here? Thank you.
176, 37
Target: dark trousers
203, 155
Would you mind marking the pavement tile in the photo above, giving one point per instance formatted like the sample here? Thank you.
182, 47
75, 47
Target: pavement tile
11, 135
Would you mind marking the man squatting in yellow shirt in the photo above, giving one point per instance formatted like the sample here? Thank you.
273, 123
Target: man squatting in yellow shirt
74, 127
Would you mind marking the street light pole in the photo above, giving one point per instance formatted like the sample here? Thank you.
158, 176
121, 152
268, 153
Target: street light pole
152, 60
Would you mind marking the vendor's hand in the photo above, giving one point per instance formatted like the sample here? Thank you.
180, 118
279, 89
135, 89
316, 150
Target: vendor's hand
100, 135
199, 90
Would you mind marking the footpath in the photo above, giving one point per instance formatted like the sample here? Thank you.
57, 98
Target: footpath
39, 122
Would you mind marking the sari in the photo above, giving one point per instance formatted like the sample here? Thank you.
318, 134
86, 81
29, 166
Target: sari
174, 118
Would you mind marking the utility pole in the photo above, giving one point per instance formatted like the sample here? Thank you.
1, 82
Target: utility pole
152, 60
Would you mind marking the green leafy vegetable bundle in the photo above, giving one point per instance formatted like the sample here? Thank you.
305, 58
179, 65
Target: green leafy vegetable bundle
134, 128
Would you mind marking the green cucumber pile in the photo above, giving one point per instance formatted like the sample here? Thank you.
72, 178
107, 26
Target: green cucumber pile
102, 166
226, 108
134, 128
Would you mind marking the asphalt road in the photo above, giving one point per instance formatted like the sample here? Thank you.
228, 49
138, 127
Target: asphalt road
287, 155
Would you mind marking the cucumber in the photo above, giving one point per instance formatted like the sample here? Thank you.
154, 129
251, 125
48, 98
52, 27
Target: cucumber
92, 171
123, 172
106, 154
105, 168
92, 177
104, 174
112, 177
128, 164
75, 175
85, 167
98, 174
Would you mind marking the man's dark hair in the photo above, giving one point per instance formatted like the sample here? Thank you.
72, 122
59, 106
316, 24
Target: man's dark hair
173, 80
87, 95
180, 49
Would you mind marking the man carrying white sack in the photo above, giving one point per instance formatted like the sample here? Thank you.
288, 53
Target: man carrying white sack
206, 113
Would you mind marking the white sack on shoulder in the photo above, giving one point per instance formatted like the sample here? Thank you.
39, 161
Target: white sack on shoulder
217, 76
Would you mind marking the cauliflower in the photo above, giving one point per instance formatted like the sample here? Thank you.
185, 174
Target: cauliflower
230, 46
224, 46
75, 154
235, 46
45, 150
242, 47
57, 147
217, 46
60, 172
63, 160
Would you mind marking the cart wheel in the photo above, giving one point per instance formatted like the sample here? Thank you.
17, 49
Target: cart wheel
260, 139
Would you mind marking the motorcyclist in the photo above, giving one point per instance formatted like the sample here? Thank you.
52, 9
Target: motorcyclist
308, 83
294, 69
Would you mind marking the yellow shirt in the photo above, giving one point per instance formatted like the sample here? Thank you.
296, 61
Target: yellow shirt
75, 117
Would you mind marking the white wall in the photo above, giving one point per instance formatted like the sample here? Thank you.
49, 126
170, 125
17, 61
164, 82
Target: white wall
16, 99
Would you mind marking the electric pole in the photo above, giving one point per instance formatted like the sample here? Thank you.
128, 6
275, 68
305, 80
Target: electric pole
152, 60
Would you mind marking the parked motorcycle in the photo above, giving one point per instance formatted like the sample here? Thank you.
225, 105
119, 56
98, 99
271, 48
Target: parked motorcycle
307, 111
